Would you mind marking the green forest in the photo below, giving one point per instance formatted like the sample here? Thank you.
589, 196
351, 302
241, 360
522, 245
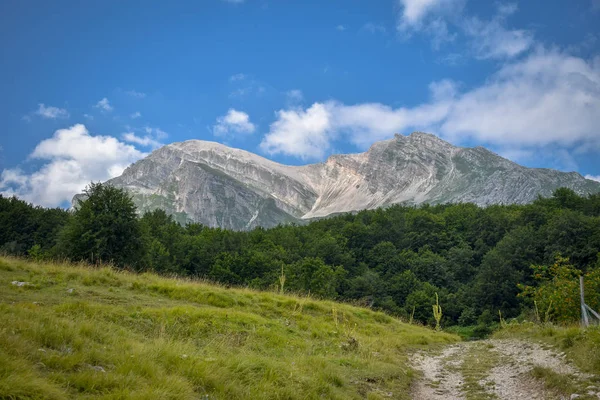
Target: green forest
485, 263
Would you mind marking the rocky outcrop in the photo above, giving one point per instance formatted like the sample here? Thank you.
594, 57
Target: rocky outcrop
219, 186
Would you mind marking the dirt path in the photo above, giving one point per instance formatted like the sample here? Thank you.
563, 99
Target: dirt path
496, 369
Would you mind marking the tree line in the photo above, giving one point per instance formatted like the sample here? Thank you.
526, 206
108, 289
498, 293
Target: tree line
479, 260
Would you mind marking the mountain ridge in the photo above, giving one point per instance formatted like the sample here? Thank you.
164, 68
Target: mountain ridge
220, 186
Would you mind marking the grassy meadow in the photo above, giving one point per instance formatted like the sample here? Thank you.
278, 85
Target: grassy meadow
74, 331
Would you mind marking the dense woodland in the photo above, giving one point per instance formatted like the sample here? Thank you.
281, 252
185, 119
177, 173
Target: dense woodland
479, 260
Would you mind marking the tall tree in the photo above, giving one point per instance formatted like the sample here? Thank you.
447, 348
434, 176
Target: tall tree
104, 228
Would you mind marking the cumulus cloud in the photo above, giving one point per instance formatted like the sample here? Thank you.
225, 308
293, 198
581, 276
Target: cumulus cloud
51, 112
145, 141
233, 122
593, 178
371, 27
553, 156
133, 93
429, 17
303, 133
414, 12
440, 33
443, 20
156, 132
547, 98
244, 85
237, 77
135, 115
252, 87
492, 40
104, 105
152, 137
340, 28
294, 96
506, 9
71, 159
308, 134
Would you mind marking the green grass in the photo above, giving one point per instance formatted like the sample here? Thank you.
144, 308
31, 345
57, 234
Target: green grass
476, 366
118, 335
561, 385
472, 332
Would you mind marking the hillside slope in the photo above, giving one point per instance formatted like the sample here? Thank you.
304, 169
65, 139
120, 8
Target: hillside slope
79, 332
219, 186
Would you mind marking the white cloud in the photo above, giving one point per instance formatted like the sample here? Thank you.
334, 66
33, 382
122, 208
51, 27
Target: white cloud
414, 12
439, 32
308, 134
305, 134
430, 17
88, 116
12, 176
366, 123
442, 20
592, 177
72, 159
234, 1
160, 133
233, 122
252, 87
237, 77
551, 156
156, 132
133, 93
104, 105
245, 85
294, 96
51, 112
146, 141
492, 40
152, 137
546, 99
135, 115
340, 28
374, 28
506, 9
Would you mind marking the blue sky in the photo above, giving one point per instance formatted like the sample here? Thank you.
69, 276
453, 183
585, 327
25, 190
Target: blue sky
89, 87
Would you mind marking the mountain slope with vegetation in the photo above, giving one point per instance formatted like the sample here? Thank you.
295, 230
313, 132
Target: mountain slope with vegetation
219, 186
75, 331
479, 260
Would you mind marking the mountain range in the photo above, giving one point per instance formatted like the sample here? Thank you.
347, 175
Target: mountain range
219, 186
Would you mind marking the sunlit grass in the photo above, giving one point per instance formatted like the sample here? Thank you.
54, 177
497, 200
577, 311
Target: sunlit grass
76, 331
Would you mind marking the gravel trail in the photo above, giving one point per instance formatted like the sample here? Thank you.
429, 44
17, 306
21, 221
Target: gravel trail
502, 371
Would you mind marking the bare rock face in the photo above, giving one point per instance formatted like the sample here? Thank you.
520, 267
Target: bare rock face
218, 186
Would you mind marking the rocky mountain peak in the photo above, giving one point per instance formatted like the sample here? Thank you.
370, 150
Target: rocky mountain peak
216, 185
